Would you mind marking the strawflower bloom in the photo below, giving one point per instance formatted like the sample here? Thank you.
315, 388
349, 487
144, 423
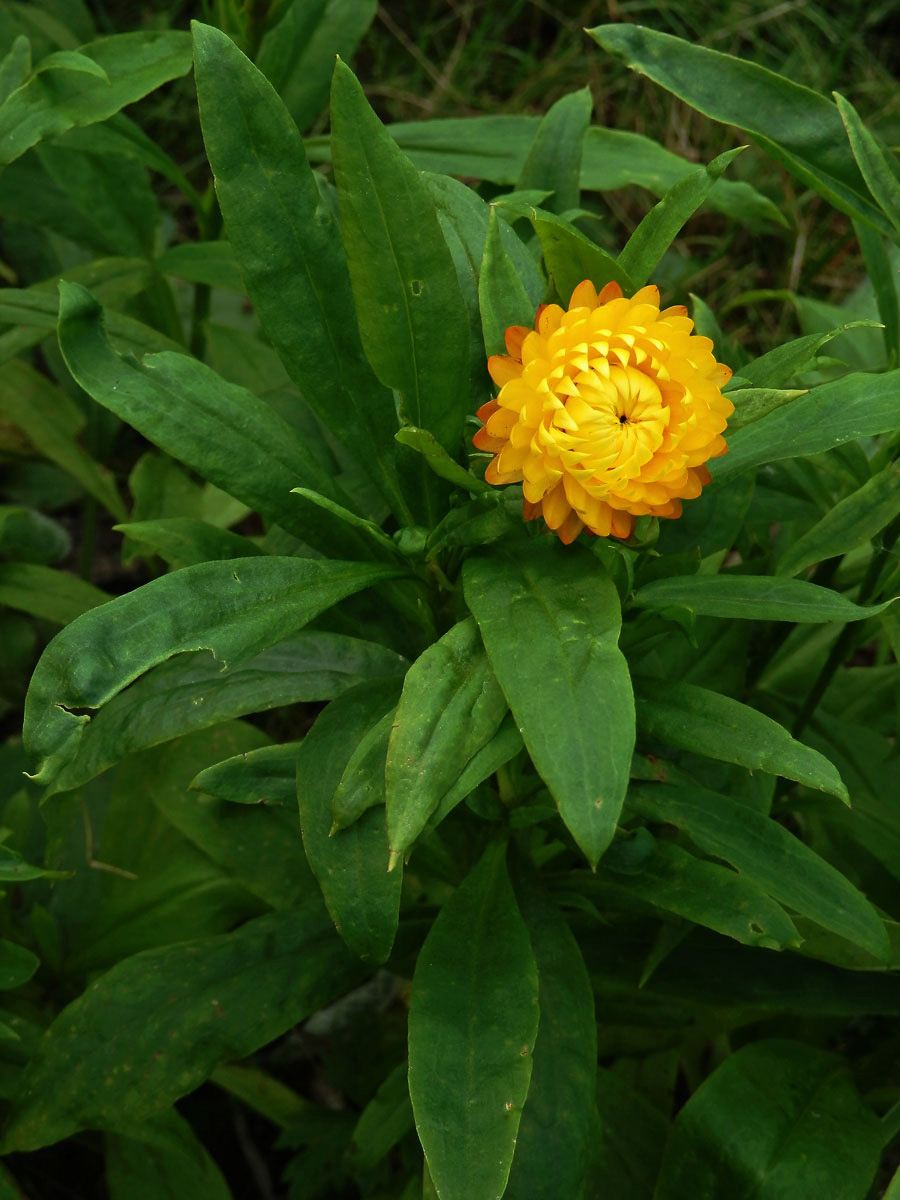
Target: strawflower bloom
606, 412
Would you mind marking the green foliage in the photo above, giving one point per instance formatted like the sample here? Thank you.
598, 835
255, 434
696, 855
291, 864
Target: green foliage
351, 809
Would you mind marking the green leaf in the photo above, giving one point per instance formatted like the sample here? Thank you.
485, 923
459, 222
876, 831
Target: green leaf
677, 881
212, 263
153, 1028
799, 128
15, 67
310, 54
794, 358
752, 404
51, 420
185, 541
71, 60
351, 864
258, 846
411, 312
776, 1119
873, 165
17, 965
49, 104
43, 592
659, 228
852, 522
121, 137
857, 406
265, 1095
754, 598
362, 782
290, 253
158, 1158
426, 444
768, 855
632, 1138
236, 609
554, 160
570, 257
502, 297
880, 268
503, 746
705, 722
553, 1144
495, 148
290, 27
223, 431
570, 693
450, 708
14, 869
383, 1122
264, 776
28, 536
472, 1024
164, 888
9, 1189
372, 536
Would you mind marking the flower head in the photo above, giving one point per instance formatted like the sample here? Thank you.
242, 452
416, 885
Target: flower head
606, 412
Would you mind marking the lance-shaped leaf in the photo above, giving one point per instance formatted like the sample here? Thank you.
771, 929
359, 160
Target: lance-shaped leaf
43, 592
495, 148
859, 405
851, 522
350, 864
451, 706
570, 257
411, 312
186, 541
472, 1023
705, 722
503, 746
153, 1027
798, 127
234, 439
754, 598
426, 444
769, 856
290, 252
52, 102
264, 776
362, 782
550, 623
707, 893
306, 56
15, 67
193, 692
235, 608
661, 225
502, 297
383, 1122
872, 162
752, 404
51, 420
553, 1145
165, 1150
554, 160
777, 1119
779, 366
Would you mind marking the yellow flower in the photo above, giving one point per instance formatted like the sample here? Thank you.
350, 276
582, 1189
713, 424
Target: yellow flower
606, 412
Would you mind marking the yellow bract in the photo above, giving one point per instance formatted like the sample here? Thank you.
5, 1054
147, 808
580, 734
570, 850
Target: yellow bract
606, 412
